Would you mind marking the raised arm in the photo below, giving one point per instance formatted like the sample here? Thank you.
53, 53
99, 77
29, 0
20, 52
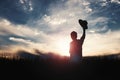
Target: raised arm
84, 26
84, 33
83, 36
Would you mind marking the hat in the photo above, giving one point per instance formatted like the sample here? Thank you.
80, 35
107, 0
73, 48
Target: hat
83, 23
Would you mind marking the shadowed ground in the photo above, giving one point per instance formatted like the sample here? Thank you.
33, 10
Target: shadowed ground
91, 68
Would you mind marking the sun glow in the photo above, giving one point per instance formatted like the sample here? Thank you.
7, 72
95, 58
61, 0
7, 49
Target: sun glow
62, 47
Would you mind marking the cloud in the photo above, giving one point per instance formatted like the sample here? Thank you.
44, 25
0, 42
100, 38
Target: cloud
7, 28
20, 40
115, 1
102, 44
63, 18
51, 33
27, 5
54, 21
22, 36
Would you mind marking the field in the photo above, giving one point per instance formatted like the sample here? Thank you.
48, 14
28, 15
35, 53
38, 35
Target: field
91, 68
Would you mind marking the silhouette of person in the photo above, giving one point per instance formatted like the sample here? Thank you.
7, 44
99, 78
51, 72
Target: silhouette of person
76, 44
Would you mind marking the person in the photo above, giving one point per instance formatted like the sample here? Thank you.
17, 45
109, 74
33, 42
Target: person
76, 44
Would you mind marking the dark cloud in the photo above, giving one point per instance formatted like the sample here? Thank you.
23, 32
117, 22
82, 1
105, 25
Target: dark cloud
15, 12
39, 55
107, 9
5, 41
10, 10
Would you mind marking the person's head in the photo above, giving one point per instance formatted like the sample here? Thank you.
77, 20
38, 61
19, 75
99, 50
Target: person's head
74, 35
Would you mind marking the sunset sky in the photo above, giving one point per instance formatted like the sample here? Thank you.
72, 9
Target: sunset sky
46, 25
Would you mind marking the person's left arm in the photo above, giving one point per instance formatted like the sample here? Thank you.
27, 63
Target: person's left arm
83, 36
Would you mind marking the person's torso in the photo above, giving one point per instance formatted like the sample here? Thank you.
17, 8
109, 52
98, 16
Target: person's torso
76, 47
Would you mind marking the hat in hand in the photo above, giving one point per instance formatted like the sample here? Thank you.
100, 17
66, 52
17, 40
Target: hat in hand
83, 23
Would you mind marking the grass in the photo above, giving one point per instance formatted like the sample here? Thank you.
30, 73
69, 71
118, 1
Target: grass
91, 68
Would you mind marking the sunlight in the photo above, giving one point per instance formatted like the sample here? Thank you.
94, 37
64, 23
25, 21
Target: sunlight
62, 47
